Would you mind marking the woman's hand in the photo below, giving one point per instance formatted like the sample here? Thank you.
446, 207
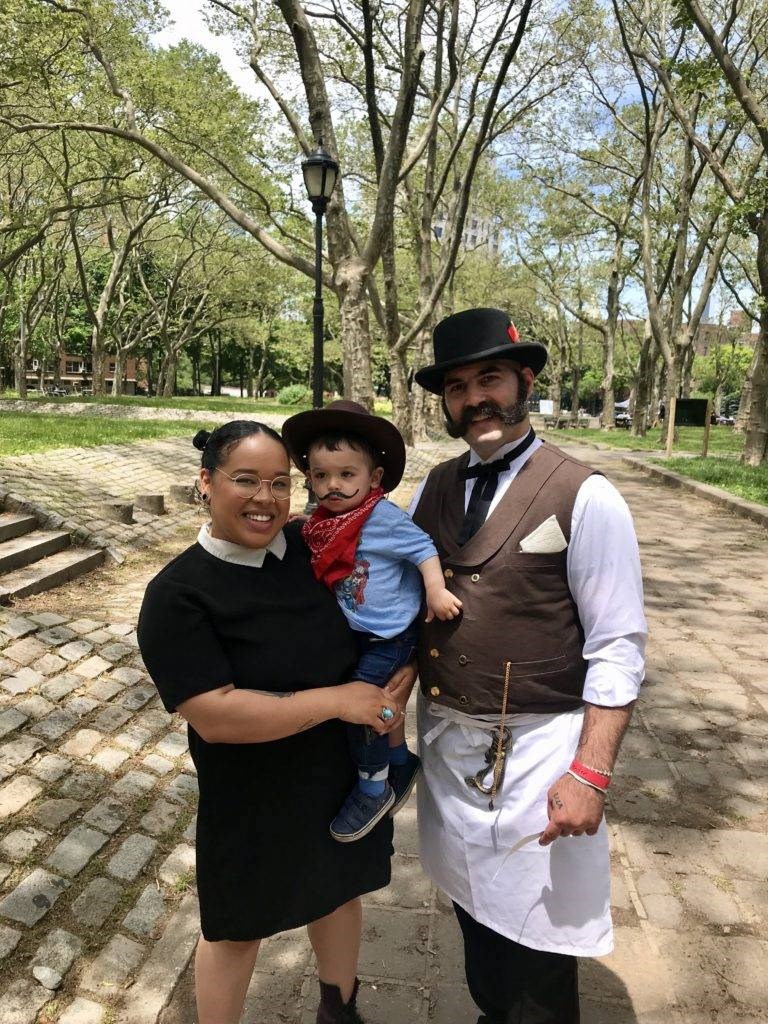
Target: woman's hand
400, 685
361, 704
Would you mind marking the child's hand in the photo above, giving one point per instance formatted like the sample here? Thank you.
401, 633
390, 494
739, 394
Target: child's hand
441, 603
297, 517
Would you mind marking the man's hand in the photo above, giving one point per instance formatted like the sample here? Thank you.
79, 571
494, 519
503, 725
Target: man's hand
573, 809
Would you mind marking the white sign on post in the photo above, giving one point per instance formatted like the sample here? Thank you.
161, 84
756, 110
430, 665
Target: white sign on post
546, 406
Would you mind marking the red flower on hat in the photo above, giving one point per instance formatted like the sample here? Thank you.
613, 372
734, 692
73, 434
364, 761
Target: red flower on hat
514, 337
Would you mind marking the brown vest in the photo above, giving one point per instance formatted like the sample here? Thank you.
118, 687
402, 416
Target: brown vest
517, 607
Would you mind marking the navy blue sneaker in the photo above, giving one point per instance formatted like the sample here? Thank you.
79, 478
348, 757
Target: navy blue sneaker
360, 813
402, 779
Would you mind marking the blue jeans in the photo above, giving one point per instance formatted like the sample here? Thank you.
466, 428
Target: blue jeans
378, 660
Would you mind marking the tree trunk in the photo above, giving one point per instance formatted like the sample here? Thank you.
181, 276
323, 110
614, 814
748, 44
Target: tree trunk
609, 394
423, 413
168, 373
672, 383
20, 358
117, 382
398, 369
195, 358
756, 419
742, 416
756, 440
555, 389
97, 359
576, 378
351, 283
643, 385
262, 372
251, 370
215, 363
687, 367
401, 404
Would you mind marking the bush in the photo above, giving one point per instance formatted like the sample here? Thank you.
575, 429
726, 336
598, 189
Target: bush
294, 394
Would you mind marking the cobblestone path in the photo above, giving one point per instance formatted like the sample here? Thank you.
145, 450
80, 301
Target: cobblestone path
71, 485
97, 906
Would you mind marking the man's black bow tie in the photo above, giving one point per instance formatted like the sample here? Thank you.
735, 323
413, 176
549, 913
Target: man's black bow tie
485, 469
486, 477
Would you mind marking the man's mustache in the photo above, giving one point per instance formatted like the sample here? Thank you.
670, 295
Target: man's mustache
338, 494
485, 409
509, 415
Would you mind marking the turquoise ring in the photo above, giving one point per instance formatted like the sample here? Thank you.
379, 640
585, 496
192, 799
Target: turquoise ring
386, 714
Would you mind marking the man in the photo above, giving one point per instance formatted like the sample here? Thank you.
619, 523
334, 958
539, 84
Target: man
524, 698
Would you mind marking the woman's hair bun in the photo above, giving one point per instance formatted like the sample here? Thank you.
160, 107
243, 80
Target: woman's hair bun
201, 438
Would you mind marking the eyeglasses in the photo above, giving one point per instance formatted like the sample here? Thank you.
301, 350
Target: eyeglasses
248, 485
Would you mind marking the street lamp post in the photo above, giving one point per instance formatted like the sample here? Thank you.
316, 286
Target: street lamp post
320, 172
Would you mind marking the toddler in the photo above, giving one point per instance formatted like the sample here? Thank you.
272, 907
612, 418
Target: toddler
373, 557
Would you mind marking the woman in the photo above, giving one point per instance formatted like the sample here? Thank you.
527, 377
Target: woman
242, 641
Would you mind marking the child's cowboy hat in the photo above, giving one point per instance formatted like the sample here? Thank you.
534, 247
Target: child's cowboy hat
345, 417
474, 335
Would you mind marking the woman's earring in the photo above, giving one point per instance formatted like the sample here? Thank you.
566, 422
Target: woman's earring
202, 497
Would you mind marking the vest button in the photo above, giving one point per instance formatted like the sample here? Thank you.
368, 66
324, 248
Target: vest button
434, 653
434, 691
463, 700
463, 659
448, 573
475, 577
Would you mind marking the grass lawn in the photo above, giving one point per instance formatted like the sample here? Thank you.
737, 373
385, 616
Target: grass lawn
721, 439
25, 433
749, 482
245, 407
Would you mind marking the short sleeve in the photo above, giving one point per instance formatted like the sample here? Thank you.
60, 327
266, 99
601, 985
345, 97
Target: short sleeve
404, 537
179, 644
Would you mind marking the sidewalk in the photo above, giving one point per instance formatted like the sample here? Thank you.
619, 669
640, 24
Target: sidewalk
97, 798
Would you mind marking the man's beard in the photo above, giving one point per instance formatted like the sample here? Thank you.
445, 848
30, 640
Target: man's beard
508, 414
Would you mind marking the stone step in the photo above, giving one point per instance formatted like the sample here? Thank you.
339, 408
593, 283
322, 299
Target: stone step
15, 524
21, 551
49, 572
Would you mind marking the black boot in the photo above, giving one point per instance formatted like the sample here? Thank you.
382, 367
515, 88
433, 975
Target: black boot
333, 1010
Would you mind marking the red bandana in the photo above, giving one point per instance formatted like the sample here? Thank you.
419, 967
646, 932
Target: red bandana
332, 538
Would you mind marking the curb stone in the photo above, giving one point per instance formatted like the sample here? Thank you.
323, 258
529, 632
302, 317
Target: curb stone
739, 506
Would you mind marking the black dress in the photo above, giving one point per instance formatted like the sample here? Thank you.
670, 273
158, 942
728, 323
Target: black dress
265, 859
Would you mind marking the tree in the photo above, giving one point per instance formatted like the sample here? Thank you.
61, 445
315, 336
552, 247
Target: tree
692, 205
739, 49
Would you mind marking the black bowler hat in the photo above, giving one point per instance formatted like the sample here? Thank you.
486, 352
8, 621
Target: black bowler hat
474, 335
344, 417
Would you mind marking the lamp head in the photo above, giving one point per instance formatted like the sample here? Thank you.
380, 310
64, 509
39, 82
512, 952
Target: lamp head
320, 172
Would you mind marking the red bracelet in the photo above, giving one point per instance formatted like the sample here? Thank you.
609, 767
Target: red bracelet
596, 779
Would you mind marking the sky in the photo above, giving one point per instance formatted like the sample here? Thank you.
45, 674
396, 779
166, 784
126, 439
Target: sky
189, 24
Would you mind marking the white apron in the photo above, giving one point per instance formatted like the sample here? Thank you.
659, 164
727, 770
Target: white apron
554, 898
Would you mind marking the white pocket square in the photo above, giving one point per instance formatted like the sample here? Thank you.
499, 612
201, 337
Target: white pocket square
546, 539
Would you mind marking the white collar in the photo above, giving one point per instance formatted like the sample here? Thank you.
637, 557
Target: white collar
474, 458
236, 553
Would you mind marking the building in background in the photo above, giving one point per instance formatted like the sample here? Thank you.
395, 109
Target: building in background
479, 232
76, 374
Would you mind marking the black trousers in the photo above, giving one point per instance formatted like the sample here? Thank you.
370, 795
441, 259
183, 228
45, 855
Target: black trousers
513, 984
